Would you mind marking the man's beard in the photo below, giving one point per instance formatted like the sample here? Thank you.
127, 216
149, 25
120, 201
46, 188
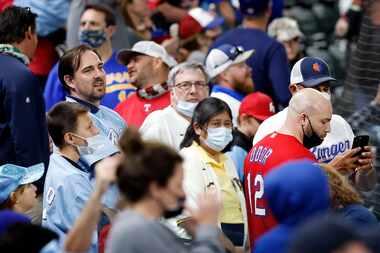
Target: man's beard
245, 87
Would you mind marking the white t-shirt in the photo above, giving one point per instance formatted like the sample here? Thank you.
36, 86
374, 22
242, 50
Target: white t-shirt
232, 102
338, 140
166, 126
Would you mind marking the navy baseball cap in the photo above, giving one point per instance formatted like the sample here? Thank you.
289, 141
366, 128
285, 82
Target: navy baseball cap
310, 72
253, 7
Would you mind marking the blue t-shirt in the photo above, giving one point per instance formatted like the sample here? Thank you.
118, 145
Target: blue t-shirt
269, 63
117, 89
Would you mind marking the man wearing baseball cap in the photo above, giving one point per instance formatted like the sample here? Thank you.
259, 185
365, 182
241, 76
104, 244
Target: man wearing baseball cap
269, 65
313, 72
254, 109
148, 67
226, 66
287, 32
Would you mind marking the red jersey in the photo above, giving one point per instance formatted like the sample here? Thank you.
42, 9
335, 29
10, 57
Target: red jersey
135, 109
265, 155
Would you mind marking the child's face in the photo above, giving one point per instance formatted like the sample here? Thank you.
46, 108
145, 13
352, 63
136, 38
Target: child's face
26, 198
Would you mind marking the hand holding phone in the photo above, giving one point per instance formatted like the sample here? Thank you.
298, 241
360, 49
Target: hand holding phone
360, 141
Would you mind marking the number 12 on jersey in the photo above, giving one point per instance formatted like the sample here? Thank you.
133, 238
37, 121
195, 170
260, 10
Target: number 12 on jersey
258, 189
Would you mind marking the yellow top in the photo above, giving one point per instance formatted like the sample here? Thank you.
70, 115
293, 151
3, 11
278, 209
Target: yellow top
232, 211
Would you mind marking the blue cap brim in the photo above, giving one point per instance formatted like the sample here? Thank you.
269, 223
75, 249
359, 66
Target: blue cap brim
33, 173
317, 81
215, 23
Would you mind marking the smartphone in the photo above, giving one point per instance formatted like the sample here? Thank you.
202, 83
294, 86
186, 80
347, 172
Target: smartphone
360, 141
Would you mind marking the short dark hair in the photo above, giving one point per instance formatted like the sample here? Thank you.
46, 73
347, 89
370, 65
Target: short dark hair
109, 15
145, 162
14, 22
70, 62
204, 111
63, 118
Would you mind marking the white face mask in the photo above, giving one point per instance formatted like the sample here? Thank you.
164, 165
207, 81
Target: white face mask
93, 143
98, 147
218, 138
186, 108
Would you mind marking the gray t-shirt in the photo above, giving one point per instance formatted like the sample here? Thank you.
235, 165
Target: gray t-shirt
132, 233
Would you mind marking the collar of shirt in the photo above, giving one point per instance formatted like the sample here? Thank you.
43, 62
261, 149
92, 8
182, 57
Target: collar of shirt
208, 159
76, 165
93, 109
237, 95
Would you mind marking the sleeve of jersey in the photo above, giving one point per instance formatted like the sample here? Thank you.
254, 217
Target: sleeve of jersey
280, 76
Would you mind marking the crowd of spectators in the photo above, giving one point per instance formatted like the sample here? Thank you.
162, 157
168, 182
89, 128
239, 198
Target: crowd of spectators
190, 126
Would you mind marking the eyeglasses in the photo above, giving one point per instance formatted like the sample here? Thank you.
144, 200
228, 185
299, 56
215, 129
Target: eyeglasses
188, 84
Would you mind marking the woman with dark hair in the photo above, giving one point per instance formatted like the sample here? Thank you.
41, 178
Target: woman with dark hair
206, 165
150, 179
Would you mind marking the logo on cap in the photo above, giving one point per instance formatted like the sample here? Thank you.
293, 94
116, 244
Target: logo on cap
272, 109
316, 67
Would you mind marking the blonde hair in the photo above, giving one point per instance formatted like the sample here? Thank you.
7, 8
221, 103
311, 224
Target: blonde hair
341, 191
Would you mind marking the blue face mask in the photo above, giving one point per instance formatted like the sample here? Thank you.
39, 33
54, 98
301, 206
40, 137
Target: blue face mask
186, 108
98, 147
218, 138
93, 38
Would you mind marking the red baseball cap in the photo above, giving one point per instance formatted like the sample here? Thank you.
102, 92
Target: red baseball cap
257, 105
196, 21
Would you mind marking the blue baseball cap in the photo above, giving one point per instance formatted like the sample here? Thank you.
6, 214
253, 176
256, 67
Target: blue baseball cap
310, 72
12, 176
253, 7
220, 58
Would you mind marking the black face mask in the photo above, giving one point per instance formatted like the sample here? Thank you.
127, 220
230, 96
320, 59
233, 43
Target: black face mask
312, 140
176, 211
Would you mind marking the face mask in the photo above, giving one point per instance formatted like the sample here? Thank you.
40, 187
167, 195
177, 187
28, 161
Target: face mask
171, 213
93, 38
186, 108
218, 138
312, 140
84, 149
98, 148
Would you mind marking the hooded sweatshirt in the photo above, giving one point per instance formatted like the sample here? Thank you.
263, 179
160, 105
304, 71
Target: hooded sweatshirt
296, 191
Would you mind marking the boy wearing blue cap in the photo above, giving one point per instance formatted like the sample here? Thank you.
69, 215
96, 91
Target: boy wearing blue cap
17, 193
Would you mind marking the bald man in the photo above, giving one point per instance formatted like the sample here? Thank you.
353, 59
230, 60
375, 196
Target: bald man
335, 147
308, 119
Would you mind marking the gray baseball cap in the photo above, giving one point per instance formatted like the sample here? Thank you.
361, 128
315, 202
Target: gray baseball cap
149, 48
